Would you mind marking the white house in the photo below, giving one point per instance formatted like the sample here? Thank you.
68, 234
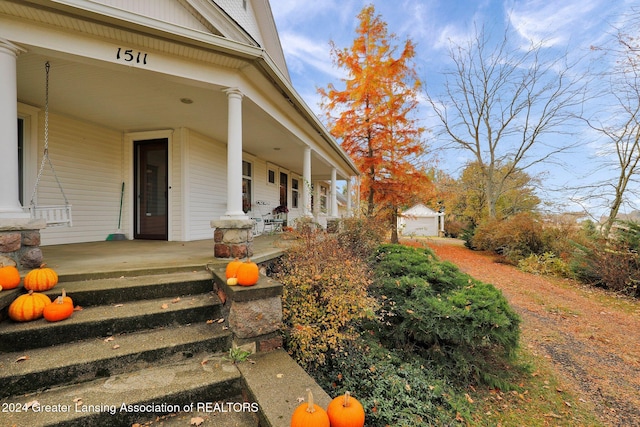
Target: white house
419, 220
186, 102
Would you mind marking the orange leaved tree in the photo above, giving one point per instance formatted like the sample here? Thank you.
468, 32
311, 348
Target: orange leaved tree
373, 117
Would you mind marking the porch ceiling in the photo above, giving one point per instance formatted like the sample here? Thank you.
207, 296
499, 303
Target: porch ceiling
130, 99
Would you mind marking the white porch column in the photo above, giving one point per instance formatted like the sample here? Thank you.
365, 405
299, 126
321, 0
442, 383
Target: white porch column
9, 183
334, 193
234, 156
349, 207
306, 185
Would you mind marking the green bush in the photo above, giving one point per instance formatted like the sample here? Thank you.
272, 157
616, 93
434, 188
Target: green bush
464, 327
394, 389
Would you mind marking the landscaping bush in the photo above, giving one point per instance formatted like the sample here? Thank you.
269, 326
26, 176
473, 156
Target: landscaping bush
612, 264
394, 389
405, 333
464, 327
325, 291
515, 238
547, 264
361, 236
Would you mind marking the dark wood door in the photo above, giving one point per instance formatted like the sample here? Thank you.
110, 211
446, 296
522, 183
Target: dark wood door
151, 186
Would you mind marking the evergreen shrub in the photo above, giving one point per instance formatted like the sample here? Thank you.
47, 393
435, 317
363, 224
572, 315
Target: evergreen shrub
464, 327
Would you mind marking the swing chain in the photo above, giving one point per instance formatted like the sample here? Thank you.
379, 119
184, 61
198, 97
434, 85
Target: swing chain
45, 155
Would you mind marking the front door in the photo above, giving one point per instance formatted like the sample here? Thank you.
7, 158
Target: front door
151, 185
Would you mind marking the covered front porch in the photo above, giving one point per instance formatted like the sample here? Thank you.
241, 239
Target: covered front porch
83, 261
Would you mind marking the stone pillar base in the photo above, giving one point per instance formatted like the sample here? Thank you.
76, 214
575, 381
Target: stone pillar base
254, 312
233, 238
20, 242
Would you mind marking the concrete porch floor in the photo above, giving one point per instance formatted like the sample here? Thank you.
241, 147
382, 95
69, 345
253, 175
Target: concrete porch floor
79, 261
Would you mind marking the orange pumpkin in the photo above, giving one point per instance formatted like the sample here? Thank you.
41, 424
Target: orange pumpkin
248, 273
60, 309
28, 307
40, 279
309, 414
345, 411
9, 277
232, 268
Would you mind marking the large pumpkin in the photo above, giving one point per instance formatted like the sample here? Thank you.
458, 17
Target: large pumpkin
9, 277
40, 279
232, 268
345, 411
248, 273
60, 309
28, 307
309, 414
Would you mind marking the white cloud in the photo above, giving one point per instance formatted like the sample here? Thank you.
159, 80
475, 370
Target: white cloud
552, 23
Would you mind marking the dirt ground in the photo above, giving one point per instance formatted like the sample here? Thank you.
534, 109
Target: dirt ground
590, 337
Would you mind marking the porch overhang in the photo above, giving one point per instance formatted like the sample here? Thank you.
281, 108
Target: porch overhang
90, 83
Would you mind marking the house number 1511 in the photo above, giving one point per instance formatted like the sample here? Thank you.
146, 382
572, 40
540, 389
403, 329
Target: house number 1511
129, 55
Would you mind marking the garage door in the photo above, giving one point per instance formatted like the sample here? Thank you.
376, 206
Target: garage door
420, 227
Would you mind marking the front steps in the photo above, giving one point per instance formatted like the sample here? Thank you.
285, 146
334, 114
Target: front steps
144, 345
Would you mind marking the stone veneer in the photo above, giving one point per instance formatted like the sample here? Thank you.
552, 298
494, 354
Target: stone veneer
254, 312
233, 238
20, 242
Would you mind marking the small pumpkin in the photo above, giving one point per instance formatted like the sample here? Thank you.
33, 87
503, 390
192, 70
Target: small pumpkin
65, 297
40, 279
232, 281
345, 411
309, 414
28, 307
232, 268
248, 273
60, 309
9, 277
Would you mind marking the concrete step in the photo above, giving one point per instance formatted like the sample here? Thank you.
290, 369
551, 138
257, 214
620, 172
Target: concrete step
234, 412
108, 320
123, 288
277, 382
42, 368
128, 398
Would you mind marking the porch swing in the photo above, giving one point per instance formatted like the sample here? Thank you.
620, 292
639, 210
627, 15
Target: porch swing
54, 215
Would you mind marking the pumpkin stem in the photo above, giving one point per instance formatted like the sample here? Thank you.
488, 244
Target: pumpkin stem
346, 399
310, 407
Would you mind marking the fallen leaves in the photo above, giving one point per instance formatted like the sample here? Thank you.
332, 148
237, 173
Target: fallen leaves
196, 421
22, 359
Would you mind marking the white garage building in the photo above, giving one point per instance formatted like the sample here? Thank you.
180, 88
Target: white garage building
420, 220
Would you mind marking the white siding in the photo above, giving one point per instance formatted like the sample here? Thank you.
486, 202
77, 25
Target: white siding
245, 17
88, 162
206, 189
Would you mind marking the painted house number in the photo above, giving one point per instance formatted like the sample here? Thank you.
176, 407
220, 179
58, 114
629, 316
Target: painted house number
129, 55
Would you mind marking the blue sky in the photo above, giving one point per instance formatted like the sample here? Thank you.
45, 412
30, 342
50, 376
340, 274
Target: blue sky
307, 27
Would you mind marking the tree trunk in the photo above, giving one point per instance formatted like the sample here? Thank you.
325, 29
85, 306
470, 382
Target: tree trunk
394, 225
